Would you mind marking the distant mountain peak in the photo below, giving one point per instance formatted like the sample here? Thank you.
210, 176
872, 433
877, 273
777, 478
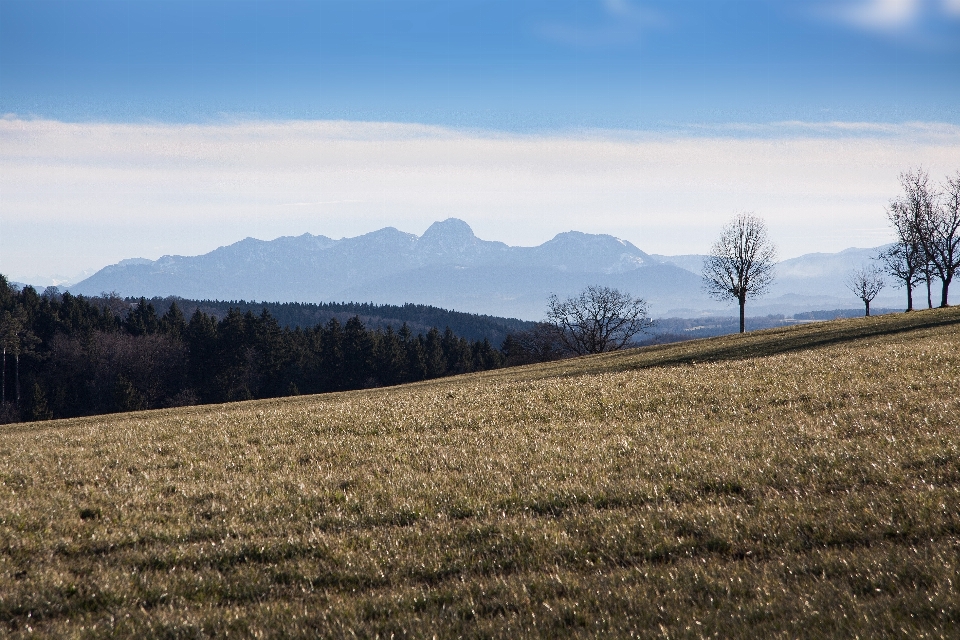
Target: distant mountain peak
452, 240
449, 229
449, 266
598, 239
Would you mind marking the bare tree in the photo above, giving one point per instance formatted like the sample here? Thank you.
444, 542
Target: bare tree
905, 260
866, 283
112, 302
902, 263
597, 320
741, 262
940, 235
915, 208
539, 344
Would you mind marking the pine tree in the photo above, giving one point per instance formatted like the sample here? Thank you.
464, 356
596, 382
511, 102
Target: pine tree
484, 356
172, 323
433, 354
357, 355
390, 361
126, 395
201, 337
142, 319
331, 357
39, 410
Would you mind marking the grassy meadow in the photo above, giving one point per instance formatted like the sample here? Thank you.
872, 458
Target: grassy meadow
798, 482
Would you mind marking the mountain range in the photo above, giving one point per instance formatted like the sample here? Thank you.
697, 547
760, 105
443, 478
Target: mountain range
449, 267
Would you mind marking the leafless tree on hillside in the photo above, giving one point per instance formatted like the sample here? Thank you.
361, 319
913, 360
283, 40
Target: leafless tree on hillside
597, 320
866, 283
741, 262
905, 260
915, 209
940, 235
538, 344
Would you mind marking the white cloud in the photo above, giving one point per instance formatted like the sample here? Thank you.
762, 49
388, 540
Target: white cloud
80, 196
923, 19
883, 14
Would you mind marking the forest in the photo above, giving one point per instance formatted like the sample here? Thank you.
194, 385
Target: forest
420, 318
67, 356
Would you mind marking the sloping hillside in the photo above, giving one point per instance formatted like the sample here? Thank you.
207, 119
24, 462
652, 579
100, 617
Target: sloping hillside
802, 482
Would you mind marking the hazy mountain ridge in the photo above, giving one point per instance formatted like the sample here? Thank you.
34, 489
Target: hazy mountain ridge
813, 281
449, 267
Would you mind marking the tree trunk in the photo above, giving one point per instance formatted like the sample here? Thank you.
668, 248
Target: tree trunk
909, 297
17, 378
944, 291
929, 295
4, 393
866, 303
743, 303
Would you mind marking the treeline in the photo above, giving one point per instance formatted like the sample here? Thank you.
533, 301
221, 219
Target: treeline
420, 318
926, 218
67, 356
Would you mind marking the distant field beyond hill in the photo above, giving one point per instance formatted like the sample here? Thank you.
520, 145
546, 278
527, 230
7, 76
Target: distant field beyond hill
796, 482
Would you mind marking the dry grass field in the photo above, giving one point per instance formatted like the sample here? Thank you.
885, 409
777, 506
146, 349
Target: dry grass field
800, 482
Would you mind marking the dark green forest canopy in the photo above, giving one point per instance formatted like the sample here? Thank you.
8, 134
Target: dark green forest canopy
67, 355
420, 318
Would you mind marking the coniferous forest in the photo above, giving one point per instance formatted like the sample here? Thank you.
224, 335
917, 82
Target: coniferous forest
67, 356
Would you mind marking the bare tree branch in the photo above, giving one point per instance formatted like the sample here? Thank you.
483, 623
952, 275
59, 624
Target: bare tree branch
916, 205
597, 320
741, 262
866, 283
905, 260
941, 234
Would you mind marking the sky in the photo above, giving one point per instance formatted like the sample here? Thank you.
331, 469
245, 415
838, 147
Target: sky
138, 129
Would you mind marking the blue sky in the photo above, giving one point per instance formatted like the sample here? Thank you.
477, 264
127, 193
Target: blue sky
511, 65
137, 128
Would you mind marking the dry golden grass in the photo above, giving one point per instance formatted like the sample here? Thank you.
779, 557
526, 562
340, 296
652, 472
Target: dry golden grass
776, 488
